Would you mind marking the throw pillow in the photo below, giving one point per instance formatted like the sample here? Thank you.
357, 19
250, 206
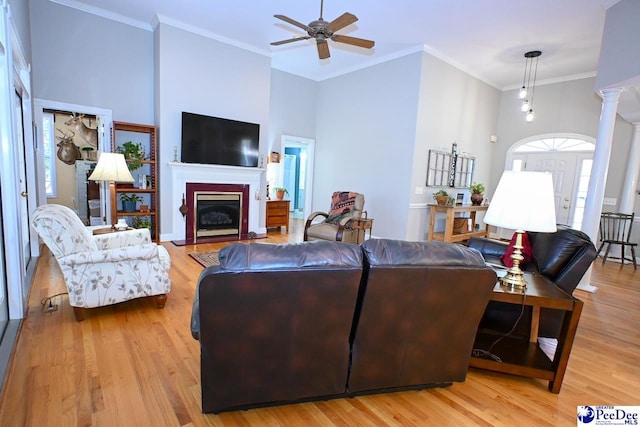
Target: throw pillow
342, 205
526, 251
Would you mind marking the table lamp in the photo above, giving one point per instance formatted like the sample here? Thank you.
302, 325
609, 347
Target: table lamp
112, 167
523, 201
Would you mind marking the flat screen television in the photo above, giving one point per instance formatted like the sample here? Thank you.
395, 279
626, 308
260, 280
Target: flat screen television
218, 141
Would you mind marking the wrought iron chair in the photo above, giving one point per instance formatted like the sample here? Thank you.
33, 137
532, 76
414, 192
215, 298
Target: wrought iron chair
615, 229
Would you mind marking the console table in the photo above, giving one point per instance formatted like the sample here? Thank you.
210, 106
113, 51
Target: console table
278, 213
451, 210
522, 356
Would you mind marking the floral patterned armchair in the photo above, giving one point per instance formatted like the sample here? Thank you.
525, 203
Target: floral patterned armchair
103, 269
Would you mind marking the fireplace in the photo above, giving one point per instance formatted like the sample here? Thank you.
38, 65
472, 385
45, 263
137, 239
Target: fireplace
216, 212
250, 179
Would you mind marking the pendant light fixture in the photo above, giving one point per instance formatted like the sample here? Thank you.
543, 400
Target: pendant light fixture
527, 91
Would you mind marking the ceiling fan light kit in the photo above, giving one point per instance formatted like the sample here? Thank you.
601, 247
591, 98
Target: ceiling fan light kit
321, 31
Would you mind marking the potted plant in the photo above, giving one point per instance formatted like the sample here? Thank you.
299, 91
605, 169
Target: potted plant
477, 193
133, 153
141, 222
441, 197
129, 202
280, 192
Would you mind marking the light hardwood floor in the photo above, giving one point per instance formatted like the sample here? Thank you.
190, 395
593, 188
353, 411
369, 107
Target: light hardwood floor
135, 365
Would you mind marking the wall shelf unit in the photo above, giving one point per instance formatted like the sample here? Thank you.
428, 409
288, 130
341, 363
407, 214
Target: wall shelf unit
146, 177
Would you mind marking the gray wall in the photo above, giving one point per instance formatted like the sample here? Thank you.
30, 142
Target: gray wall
567, 107
200, 75
20, 16
292, 108
366, 131
453, 107
620, 52
83, 59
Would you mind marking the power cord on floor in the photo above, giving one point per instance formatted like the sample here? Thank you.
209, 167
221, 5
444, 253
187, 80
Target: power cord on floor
47, 303
478, 352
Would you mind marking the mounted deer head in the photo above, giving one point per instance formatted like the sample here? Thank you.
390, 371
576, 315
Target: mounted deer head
89, 135
68, 152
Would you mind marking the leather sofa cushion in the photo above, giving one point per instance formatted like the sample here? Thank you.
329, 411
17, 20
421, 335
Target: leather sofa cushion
400, 252
266, 256
553, 251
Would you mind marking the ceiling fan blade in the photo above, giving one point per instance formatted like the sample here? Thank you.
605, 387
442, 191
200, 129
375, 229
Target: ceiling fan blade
355, 41
341, 22
292, 22
295, 39
323, 49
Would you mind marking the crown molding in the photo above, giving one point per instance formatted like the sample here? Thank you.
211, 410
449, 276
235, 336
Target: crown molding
104, 14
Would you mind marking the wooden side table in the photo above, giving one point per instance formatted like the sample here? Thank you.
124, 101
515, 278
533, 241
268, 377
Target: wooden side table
362, 225
108, 230
278, 213
451, 210
522, 356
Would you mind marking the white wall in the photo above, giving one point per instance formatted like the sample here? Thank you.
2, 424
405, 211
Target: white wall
200, 75
83, 59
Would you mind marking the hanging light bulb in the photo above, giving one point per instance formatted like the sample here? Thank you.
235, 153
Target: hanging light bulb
527, 91
523, 92
529, 117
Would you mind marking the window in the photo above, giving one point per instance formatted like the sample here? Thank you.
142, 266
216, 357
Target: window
555, 144
49, 148
581, 195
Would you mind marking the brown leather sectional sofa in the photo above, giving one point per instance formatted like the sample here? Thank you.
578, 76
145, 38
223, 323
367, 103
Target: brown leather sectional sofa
290, 323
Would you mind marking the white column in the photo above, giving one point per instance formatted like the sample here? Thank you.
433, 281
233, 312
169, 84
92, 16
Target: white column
599, 169
627, 198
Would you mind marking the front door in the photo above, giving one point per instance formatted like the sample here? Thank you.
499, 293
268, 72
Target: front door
562, 168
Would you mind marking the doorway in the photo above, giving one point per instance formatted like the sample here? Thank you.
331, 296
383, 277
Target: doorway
78, 193
568, 157
297, 173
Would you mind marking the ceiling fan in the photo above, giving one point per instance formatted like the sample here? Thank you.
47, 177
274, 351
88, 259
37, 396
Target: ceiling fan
321, 31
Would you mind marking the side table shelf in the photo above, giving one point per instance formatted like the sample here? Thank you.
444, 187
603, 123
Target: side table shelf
523, 355
451, 210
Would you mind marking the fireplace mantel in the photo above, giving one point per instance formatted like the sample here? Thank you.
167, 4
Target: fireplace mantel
182, 173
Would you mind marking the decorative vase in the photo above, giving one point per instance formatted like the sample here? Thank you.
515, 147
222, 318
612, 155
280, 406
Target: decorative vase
442, 200
128, 205
476, 199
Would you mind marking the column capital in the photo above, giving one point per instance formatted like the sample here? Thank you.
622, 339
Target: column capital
611, 94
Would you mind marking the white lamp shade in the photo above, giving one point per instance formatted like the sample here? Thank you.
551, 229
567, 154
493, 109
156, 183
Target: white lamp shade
523, 201
111, 167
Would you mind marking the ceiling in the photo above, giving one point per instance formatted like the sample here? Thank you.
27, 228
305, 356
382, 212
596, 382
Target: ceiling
486, 39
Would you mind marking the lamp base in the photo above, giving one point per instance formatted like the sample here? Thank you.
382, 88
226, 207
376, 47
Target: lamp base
513, 280
514, 277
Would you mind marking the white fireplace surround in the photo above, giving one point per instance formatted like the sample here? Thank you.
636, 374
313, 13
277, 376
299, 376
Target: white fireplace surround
182, 173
